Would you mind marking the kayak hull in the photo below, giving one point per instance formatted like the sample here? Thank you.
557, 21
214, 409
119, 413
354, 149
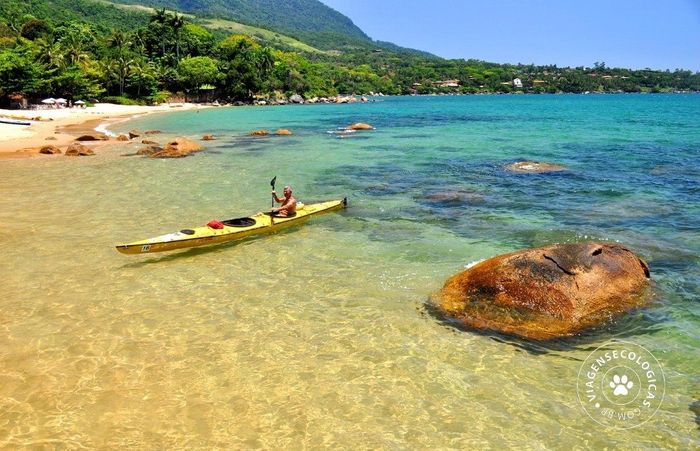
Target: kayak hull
233, 229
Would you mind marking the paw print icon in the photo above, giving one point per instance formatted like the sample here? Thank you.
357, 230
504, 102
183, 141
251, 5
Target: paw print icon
621, 385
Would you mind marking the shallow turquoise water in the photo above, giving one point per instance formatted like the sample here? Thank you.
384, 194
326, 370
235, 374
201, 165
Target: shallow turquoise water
319, 336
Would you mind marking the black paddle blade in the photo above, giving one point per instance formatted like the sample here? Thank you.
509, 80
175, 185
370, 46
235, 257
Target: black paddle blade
272, 182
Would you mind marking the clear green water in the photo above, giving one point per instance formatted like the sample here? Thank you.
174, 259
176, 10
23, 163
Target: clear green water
319, 336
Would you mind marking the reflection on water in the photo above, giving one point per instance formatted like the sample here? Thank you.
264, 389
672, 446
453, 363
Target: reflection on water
320, 336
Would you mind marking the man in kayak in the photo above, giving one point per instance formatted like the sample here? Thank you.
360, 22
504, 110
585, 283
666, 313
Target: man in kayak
289, 203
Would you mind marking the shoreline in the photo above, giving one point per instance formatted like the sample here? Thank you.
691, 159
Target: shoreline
60, 127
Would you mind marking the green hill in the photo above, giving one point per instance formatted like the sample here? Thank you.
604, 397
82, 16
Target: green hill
309, 19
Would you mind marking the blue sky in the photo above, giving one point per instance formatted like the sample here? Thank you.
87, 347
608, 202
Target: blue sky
659, 34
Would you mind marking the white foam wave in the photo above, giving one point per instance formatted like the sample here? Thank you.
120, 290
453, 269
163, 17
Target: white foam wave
102, 128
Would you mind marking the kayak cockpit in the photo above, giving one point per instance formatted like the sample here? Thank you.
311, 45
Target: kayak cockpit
239, 222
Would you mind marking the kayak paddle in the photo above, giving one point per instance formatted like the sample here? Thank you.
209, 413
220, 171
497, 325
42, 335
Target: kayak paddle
272, 184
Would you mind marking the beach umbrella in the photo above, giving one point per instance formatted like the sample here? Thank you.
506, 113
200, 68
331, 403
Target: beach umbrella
79, 102
61, 101
49, 100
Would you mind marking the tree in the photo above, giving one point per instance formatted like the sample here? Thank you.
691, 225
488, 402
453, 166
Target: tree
197, 71
176, 23
34, 29
238, 64
19, 74
196, 41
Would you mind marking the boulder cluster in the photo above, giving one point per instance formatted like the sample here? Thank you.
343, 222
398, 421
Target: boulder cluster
297, 99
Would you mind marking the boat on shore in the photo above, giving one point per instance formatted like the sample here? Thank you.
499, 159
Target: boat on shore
13, 121
217, 232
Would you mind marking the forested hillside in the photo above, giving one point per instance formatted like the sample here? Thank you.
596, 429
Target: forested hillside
92, 49
309, 19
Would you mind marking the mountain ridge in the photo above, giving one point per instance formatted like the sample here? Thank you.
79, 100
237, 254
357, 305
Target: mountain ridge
309, 18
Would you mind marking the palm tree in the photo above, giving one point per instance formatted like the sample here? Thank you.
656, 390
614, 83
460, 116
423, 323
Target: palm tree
160, 18
176, 23
74, 50
266, 61
49, 52
119, 41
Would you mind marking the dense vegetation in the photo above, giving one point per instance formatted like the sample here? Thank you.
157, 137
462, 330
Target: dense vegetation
87, 49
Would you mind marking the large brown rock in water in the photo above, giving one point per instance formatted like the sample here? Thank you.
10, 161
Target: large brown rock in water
93, 137
177, 148
360, 126
548, 292
77, 149
50, 150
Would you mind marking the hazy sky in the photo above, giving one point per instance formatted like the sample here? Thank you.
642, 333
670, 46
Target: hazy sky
660, 34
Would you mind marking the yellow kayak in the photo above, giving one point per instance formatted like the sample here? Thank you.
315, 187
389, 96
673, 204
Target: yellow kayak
228, 230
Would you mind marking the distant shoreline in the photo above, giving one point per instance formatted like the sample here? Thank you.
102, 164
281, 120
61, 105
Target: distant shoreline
60, 127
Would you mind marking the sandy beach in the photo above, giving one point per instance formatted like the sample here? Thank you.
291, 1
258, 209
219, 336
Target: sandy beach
59, 127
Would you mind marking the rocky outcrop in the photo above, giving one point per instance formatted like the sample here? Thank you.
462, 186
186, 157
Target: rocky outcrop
296, 98
77, 149
178, 148
134, 134
283, 132
208, 138
548, 292
93, 137
149, 141
123, 138
259, 133
535, 167
360, 126
49, 150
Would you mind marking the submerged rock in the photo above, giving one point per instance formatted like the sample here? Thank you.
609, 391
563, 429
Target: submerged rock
259, 133
455, 197
547, 292
208, 138
149, 150
283, 132
534, 167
